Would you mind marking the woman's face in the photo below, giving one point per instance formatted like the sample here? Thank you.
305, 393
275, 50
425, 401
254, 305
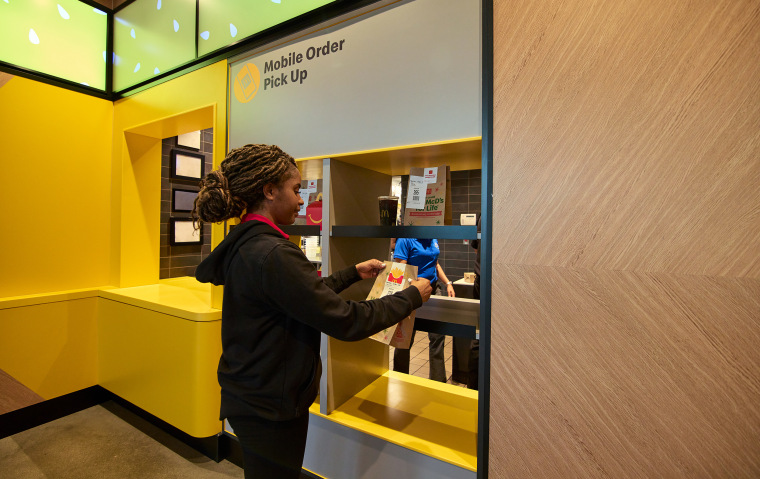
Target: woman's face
287, 201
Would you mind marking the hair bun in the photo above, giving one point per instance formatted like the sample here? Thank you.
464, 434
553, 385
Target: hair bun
215, 179
215, 202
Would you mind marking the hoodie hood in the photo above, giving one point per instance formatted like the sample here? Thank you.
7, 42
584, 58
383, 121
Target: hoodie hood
214, 268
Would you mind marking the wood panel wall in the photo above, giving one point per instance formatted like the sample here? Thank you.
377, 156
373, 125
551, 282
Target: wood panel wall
4, 78
626, 248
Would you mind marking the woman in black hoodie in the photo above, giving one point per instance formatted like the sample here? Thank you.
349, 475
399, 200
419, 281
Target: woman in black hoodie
276, 305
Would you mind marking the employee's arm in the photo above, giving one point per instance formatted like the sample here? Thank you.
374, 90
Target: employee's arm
444, 280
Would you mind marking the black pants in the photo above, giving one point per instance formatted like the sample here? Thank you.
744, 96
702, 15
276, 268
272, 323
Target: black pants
436, 361
466, 353
271, 449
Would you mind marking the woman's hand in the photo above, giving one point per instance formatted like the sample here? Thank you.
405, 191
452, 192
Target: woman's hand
450, 290
370, 268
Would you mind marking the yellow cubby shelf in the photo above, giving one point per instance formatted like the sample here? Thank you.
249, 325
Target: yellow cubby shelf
436, 419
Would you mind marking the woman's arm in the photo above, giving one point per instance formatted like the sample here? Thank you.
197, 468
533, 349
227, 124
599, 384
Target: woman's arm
341, 280
291, 286
370, 268
445, 280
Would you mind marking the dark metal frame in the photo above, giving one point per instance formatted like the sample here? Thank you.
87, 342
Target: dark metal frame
172, 227
433, 232
190, 153
174, 199
302, 230
486, 236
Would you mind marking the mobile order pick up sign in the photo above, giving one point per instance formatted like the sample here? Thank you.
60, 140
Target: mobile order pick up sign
405, 74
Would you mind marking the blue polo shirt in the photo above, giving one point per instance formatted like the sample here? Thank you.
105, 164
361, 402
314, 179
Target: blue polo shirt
422, 253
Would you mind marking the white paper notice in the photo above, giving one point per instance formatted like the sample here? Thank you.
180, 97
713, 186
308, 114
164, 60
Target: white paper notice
415, 197
311, 187
431, 175
184, 232
395, 281
305, 197
188, 166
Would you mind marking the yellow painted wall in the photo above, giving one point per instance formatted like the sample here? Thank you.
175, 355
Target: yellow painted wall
191, 102
162, 363
168, 359
81, 200
51, 348
55, 194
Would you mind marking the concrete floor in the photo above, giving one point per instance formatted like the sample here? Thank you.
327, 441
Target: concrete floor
104, 442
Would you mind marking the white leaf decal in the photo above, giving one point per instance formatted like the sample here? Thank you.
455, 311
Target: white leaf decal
63, 12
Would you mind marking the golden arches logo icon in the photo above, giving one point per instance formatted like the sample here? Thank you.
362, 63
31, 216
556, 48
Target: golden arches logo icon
396, 275
247, 83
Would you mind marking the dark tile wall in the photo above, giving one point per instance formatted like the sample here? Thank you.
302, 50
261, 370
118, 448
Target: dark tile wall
457, 258
182, 260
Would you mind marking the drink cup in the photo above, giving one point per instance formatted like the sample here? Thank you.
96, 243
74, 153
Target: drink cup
388, 210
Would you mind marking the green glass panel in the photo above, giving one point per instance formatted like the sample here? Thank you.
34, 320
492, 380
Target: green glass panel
62, 38
152, 37
222, 23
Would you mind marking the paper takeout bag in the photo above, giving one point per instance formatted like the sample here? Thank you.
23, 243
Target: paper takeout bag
428, 200
395, 277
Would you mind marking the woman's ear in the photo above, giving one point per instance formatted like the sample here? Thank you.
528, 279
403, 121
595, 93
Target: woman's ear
270, 190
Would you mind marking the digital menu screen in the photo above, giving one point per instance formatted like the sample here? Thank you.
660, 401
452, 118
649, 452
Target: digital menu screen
62, 38
151, 37
224, 23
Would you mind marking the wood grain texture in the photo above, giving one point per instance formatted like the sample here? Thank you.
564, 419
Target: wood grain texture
627, 135
5, 78
626, 239
14, 395
624, 374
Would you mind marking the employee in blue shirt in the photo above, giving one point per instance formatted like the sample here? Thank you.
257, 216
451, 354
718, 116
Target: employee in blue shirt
424, 253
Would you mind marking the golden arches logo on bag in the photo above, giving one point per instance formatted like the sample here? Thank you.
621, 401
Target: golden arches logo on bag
247, 83
396, 276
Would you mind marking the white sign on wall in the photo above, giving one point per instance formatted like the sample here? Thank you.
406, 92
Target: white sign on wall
406, 74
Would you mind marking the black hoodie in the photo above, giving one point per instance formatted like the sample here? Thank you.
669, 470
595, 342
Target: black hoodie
275, 306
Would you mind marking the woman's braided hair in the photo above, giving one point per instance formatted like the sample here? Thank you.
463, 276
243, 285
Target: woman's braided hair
239, 182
